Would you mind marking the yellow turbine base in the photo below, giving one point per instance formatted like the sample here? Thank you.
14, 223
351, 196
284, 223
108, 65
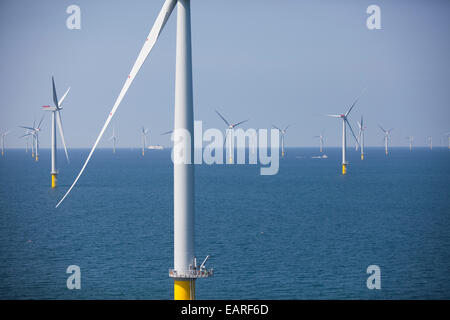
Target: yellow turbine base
54, 180
362, 156
37, 158
231, 160
142, 153
32, 155
282, 154
344, 169
184, 289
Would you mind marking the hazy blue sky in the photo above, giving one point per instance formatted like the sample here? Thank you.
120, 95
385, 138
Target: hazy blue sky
273, 61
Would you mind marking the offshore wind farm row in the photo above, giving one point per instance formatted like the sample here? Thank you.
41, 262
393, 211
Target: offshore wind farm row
229, 136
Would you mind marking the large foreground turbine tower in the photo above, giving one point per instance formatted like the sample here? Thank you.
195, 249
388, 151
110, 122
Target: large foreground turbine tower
185, 270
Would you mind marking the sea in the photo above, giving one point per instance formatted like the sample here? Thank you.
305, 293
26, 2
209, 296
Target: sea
307, 232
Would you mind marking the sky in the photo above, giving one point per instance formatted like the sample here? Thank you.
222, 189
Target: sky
276, 62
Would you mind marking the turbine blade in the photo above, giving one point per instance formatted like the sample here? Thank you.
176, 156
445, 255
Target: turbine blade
333, 115
225, 120
163, 134
55, 98
28, 134
226, 135
27, 128
61, 132
161, 20
354, 103
40, 122
382, 128
235, 125
286, 127
353, 133
62, 99
276, 127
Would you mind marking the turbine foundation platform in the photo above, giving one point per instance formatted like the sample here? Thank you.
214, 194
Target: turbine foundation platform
344, 168
54, 180
184, 282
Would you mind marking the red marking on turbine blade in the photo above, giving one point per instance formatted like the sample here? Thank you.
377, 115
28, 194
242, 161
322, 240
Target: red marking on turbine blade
146, 39
129, 77
45, 106
110, 113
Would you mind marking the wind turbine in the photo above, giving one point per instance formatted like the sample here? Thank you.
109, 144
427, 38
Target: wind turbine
56, 118
387, 134
2, 136
27, 141
345, 122
362, 128
114, 139
27, 134
282, 135
430, 142
230, 132
411, 140
185, 270
144, 134
34, 131
321, 137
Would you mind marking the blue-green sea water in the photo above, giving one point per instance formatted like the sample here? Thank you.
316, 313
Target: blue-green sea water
306, 233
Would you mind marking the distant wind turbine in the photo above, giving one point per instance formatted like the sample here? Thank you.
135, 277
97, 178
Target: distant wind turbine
282, 135
430, 142
387, 135
144, 133
345, 122
321, 137
362, 128
411, 140
2, 136
230, 132
114, 139
34, 132
56, 118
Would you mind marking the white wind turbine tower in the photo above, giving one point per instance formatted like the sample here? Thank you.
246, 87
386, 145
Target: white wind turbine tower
411, 140
230, 133
34, 132
56, 119
185, 270
2, 136
362, 128
321, 137
282, 135
144, 133
387, 134
27, 141
430, 142
114, 139
345, 122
